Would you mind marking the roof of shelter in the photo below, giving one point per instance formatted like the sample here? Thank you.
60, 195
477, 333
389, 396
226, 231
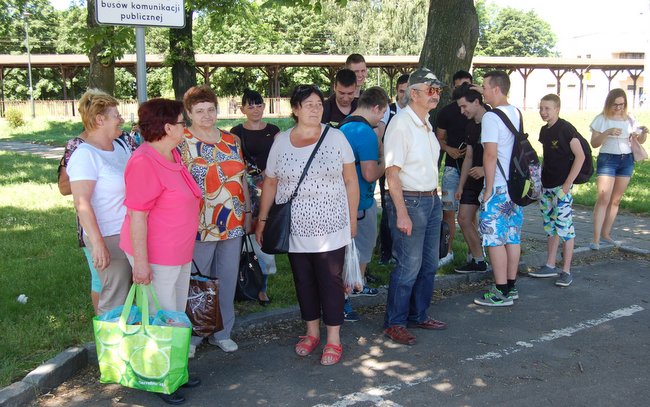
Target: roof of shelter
249, 60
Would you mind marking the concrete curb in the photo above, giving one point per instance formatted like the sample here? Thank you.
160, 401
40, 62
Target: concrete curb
65, 365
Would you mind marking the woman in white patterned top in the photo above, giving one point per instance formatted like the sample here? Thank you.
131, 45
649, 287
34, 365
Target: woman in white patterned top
323, 216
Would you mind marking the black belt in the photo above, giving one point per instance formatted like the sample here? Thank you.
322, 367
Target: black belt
420, 193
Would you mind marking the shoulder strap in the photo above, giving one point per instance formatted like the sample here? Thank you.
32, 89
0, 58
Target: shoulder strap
504, 118
517, 133
244, 149
311, 158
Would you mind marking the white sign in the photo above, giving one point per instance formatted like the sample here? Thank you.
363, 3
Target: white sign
145, 13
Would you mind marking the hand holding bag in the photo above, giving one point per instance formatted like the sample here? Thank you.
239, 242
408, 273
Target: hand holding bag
249, 277
352, 279
203, 305
142, 353
275, 237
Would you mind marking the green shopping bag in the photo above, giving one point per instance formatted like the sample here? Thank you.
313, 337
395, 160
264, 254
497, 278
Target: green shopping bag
139, 354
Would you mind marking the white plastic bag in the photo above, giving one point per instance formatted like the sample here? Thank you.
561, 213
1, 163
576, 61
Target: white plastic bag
351, 271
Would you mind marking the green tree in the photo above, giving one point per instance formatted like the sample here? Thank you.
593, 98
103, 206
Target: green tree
513, 32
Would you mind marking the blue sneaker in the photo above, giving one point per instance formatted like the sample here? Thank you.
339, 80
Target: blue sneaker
544, 272
366, 292
349, 315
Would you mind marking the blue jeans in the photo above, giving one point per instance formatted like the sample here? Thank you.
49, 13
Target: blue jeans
411, 281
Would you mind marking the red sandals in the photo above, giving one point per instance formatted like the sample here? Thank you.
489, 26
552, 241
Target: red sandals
331, 354
306, 345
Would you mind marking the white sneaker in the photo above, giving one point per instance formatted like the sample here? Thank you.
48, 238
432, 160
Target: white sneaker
446, 260
226, 345
192, 351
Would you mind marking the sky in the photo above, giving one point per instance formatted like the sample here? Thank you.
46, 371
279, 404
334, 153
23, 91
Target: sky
598, 27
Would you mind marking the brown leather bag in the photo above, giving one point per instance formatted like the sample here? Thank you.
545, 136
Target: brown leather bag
63, 180
203, 305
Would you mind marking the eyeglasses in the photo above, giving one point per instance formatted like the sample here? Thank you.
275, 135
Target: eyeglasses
430, 92
253, 107
618, 105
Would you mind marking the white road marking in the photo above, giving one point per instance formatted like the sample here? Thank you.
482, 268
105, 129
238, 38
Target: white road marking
559, 333
375, 395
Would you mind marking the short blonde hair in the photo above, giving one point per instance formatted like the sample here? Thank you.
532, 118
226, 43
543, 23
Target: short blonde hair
92, 103
552, 97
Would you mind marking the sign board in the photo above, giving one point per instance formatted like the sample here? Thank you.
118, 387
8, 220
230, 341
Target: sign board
143, 13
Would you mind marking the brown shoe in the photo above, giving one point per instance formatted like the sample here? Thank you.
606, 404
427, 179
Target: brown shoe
400, 334
428, 323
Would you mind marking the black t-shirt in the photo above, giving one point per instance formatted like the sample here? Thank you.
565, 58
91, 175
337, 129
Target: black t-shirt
331, 113
473, 139
558, 157
256, 144
454, 122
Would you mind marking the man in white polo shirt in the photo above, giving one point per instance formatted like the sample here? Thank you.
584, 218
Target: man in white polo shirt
411, 152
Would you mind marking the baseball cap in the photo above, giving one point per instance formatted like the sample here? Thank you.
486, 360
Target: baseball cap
424, 75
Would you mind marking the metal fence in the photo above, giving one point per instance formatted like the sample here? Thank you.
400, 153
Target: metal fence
228, 108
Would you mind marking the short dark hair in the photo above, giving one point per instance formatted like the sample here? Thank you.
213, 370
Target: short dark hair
371, 97
154, 114
199, 94
552, 97
354, 59
345, 77
465, 91
462, 75
500, 79
302, 92
403, 78
251, 97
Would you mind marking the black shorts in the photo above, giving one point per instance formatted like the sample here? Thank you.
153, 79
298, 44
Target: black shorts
470, 197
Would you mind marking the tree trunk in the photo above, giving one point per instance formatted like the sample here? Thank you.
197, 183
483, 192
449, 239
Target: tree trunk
102, 68
452, 33
181, 57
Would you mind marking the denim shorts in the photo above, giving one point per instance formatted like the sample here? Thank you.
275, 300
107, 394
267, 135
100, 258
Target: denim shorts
615, 165
450, 181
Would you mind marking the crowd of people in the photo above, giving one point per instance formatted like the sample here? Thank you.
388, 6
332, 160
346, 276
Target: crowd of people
186, 197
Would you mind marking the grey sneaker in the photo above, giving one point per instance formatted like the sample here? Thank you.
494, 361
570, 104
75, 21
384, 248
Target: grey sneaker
565, 280
544, 272
493, 298
594, 246
513, 294
226, 345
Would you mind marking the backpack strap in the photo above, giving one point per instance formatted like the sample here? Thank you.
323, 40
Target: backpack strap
517, 133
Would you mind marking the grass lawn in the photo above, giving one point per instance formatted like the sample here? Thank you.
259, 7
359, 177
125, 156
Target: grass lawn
40, 258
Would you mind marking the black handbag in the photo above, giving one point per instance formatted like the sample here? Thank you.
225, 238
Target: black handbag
275, 237
249, 277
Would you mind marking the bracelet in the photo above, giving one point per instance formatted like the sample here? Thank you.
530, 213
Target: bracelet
247, 211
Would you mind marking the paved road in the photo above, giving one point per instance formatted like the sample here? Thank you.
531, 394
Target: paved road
586, 345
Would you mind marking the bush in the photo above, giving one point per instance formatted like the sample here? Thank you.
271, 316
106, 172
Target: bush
14, 118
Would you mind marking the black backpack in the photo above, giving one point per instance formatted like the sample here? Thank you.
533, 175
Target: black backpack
587, 169
525, 181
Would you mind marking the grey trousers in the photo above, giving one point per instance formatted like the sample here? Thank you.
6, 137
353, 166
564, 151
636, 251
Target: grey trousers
116, 278
221, 260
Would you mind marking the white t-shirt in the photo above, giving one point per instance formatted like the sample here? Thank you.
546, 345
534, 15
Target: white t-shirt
494, 130
320, 215
107, 169
615, 144
411, 145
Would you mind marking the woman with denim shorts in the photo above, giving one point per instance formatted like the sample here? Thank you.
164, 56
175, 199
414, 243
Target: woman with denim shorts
612, 131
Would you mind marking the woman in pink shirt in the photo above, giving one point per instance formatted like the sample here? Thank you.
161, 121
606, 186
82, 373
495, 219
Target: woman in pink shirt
162, 203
